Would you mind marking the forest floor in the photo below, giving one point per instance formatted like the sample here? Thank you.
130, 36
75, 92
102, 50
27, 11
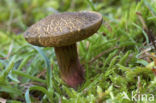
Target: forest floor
119, 60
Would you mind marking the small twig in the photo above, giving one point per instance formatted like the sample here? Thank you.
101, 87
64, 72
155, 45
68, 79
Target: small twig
145, 53
41, 74
102, 53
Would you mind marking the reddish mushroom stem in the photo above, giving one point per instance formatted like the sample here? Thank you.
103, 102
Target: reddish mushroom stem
71, 70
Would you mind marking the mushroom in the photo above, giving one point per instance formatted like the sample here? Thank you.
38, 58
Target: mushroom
62, 31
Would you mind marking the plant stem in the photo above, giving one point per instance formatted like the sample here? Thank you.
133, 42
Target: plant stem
71, 70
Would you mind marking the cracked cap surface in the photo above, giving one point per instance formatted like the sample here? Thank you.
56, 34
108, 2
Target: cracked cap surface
63, 29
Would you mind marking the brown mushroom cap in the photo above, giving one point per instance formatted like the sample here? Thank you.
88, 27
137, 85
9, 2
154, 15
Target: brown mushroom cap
63, 28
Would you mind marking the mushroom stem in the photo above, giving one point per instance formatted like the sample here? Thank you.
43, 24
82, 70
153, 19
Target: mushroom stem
71, 70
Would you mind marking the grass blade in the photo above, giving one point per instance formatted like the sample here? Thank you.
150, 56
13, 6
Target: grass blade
38, 88
91, 4
149, 6
27, 96
47, 62
28, 76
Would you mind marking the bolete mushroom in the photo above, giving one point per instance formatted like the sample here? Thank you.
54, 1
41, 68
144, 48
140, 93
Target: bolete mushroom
62, 31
